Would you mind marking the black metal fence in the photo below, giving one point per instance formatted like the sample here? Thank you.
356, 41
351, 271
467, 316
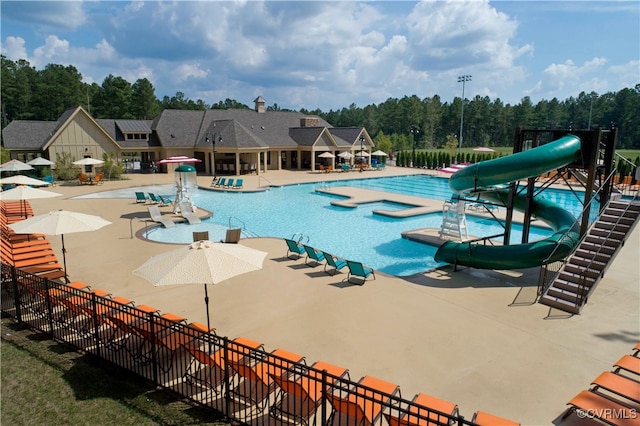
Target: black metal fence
238, 377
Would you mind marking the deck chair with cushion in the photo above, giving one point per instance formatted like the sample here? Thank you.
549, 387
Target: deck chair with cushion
301, 394
364, 404
294, 248
156, 216
333, 262
357, 269
140, 197
316, 257
425, 410
187, 213
232, 236
256, 385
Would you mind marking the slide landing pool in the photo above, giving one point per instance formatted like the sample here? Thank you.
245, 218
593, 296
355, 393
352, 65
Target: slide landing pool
484, 179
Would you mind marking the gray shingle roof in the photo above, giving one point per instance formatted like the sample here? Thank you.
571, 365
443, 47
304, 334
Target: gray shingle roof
27, 134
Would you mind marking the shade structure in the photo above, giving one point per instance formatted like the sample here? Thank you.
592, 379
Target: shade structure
23, 193
178, 159
89, 161
326, 155
362, 154
202, 262
40, 161
22, 180
346, 154
484, 149
59, 222
15, 166
379, 153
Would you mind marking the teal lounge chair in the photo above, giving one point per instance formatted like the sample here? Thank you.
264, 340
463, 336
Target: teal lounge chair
313, 255
153, 198
239, 183
335, 263
164, 201
357, 269
50, 180
140, 197
220, 182
229, 184
293, 248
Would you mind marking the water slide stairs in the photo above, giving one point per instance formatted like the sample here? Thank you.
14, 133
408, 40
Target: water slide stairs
582, 271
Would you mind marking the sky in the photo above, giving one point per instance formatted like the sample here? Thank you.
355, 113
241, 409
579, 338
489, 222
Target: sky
329, 55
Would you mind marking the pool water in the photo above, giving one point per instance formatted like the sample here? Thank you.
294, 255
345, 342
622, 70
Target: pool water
351, 233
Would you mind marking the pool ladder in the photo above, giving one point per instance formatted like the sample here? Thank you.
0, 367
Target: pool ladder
298, 237
243, 227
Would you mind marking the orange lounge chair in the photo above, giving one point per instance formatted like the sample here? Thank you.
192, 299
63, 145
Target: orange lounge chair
628, 363
257, 385
597, 405
482, 418
363, 405
619, 385
426, 410
301, 395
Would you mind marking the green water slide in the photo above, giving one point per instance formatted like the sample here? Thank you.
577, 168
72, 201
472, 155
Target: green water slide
484, 179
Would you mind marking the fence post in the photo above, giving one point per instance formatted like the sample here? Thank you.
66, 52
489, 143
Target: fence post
323, 408
227, 384
154, 361
16, 295
49, 306
96, 325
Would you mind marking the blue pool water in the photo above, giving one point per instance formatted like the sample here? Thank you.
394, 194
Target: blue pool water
352, 233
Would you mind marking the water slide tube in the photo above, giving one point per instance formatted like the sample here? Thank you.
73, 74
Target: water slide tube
482, 179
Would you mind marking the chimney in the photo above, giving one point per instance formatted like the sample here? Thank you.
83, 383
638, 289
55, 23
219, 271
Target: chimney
259, 102
309, 122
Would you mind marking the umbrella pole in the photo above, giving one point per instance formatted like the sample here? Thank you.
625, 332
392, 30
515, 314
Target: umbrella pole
206, 304
64, 260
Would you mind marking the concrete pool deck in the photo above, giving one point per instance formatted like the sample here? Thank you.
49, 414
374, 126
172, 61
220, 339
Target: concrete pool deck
473, 337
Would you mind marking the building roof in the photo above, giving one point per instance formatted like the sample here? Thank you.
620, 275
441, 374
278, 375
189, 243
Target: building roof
27, 134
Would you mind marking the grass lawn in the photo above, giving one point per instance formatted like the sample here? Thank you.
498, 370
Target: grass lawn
45, 382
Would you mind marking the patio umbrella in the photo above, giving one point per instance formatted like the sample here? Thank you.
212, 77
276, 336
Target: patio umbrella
23, 180
89, 161
345, 154
23, 193
59, 222
40, 161
326, 154
178, 159
379, 153
14, 166
202, 262
484, 149
362, 154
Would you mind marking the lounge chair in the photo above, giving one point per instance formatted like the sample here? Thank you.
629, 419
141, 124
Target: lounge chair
220, 182
229, 183
313, 255
153, 199
335, 263
424, 411
598, 406
164, 201
257, 384
140, 197
293, 248
301, 395
96, 180
364, 405
156, 216
239, 184
200, 236
50, 180
359, 270
485, 419
620, 385
232, 236
84, 178
187, 213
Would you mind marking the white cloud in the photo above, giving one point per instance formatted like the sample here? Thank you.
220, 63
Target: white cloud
14, 47
53, 48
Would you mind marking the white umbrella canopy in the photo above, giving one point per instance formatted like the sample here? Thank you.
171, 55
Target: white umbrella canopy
15, 166
346, 154
484, 149
89, 161
26, 193
40, 161
326, 155
202, 262
23, 180
178, 159
59, 222
362, 154
379, 153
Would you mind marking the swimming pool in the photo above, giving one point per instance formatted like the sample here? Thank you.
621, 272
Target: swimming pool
352, 233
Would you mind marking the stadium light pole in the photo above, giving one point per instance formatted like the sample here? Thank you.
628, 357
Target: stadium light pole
462, 79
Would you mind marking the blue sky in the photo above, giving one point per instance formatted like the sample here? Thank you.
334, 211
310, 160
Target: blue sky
331, 54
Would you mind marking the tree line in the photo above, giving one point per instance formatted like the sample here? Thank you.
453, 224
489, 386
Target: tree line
31, 94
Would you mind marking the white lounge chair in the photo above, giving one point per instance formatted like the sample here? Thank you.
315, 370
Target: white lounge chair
156, 216
187, 213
